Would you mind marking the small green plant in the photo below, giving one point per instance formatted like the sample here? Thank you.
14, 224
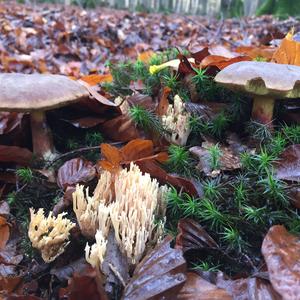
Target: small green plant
259, 131
171, 81
254, 214
215, 154
200, 78
247, 160
25, 175
212, 214
233, 239
146, 119
205, 266
174, 202
212, 189
190, 207
11, 198
277, 144
274, 189
140, 70
264, 160
240, 194
180, 160
219, 124
72, 144
292, 134
93, 139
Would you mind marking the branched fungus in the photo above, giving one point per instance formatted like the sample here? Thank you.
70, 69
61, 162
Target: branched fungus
94, 254
49, 235
176, 120
130, 206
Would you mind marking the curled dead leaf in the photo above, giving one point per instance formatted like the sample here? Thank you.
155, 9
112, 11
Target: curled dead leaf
281, 251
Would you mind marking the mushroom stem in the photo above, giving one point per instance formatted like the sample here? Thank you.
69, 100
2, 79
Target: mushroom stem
262, 110
41, 136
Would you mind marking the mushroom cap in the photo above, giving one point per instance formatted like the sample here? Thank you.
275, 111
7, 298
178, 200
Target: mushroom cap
32, 92
262, 78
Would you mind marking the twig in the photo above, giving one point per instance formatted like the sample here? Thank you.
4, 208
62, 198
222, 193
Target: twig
76, 151
115, 271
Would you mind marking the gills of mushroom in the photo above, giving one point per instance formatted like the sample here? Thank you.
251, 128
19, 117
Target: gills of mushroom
265, 82
262, 109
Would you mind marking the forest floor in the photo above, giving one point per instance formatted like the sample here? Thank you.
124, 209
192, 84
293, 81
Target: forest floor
191, 196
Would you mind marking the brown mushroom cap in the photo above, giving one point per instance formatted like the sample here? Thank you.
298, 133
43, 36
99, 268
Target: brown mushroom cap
262, 78
24, 92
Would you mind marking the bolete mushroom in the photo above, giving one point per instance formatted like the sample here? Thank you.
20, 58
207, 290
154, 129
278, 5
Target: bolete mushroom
265, 82
37, 93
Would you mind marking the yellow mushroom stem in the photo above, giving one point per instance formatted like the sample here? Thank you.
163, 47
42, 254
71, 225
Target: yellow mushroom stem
42, 141
262, 110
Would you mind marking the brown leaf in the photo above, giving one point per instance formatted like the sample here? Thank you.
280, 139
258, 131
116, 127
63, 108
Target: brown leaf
248, 288
288, 52
200, 55
222, 62
160, 275
86, 122
84, 285
192, 236
4, 232
9, 285
120, 129
288, 165
111, 154
137, 149
163, 177
76, 170
266, 52
197, 288
163, 102
17, 155
281, 251
95, 79
96, 95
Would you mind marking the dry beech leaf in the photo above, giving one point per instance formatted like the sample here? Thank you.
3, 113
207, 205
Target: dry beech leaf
137, 149
76, 170
281, 251
145, 56
197, 288
163, 104
288, 52
151, 167
120, 129
9, 285
95, 79
248, 288
288, 165
160, 275
4, 232
192, 236
86, 122
84, 285
222, 62
254, 51
17, 155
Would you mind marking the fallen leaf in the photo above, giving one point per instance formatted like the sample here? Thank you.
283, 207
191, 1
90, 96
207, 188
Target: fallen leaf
163, 104
120, 129
84, 285
4, 232
151, 167
281, 251
288, 165
247, 288
197, 288
191, 235
76, 170
266, 52
222, 62
288, 52
160, 275
17, 155
95, 79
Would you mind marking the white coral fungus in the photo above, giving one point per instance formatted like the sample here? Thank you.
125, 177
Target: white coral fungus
176, 120
136, 200
49, 235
